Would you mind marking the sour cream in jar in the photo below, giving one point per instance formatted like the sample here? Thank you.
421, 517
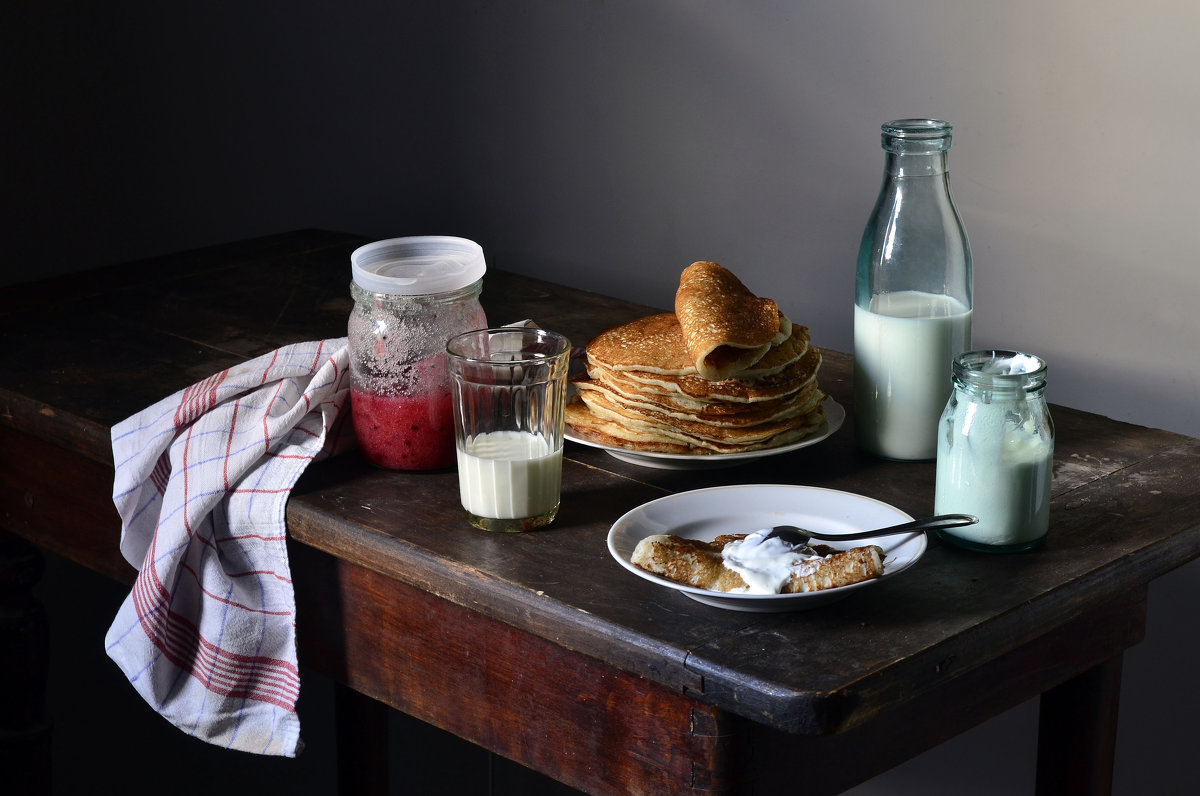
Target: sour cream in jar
996, 452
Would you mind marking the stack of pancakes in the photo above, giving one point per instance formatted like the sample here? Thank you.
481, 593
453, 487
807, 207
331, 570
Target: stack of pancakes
727, 372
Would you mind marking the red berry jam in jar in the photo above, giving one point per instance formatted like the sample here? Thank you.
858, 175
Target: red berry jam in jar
411, 295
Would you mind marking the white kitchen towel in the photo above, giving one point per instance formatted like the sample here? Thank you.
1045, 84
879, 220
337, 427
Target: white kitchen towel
207, 635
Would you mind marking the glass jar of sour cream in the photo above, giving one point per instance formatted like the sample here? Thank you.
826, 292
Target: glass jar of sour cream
995, 453
411, 295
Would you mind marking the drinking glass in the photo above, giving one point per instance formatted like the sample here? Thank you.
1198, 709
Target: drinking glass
509, 396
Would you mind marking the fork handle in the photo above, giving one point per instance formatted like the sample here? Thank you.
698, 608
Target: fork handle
924, 524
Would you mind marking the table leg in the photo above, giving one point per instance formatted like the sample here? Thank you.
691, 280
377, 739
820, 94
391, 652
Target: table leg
1077, 732
24, 662
362, 743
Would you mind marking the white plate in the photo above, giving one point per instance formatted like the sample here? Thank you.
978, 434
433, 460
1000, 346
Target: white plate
835, 415
708, 513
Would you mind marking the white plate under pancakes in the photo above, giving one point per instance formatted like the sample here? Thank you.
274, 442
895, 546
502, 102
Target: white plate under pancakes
835, 415
708, 513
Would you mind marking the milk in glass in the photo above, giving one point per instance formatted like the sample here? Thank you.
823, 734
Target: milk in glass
903, 349
509, 474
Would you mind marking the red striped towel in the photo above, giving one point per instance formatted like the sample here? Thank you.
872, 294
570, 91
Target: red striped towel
207, 635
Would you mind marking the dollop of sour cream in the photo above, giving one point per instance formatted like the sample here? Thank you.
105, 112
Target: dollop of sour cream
766, 564
1011, 366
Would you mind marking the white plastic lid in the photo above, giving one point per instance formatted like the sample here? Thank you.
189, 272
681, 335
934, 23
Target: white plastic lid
418, 265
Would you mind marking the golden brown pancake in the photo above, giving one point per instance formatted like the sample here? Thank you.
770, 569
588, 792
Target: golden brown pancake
726, 328
781, 354
659, 407
700, 564
687, 561
788, 380
647, 438
727, 433
654, 344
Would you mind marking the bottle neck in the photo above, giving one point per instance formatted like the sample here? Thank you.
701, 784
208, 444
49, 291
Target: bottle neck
916, 147
901, 164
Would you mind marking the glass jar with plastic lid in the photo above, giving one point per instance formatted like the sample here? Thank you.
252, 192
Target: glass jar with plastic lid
411, 295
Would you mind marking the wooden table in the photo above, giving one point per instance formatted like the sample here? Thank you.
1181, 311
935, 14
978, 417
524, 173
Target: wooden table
539, 646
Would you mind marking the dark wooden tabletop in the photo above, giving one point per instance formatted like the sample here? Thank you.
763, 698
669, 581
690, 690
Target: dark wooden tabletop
85, 351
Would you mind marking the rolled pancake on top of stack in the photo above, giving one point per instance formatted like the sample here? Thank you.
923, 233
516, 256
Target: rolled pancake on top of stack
726, 328
644, 389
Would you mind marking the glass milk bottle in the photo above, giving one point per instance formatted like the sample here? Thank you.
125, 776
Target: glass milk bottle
996, 452
411, 295
912, 304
